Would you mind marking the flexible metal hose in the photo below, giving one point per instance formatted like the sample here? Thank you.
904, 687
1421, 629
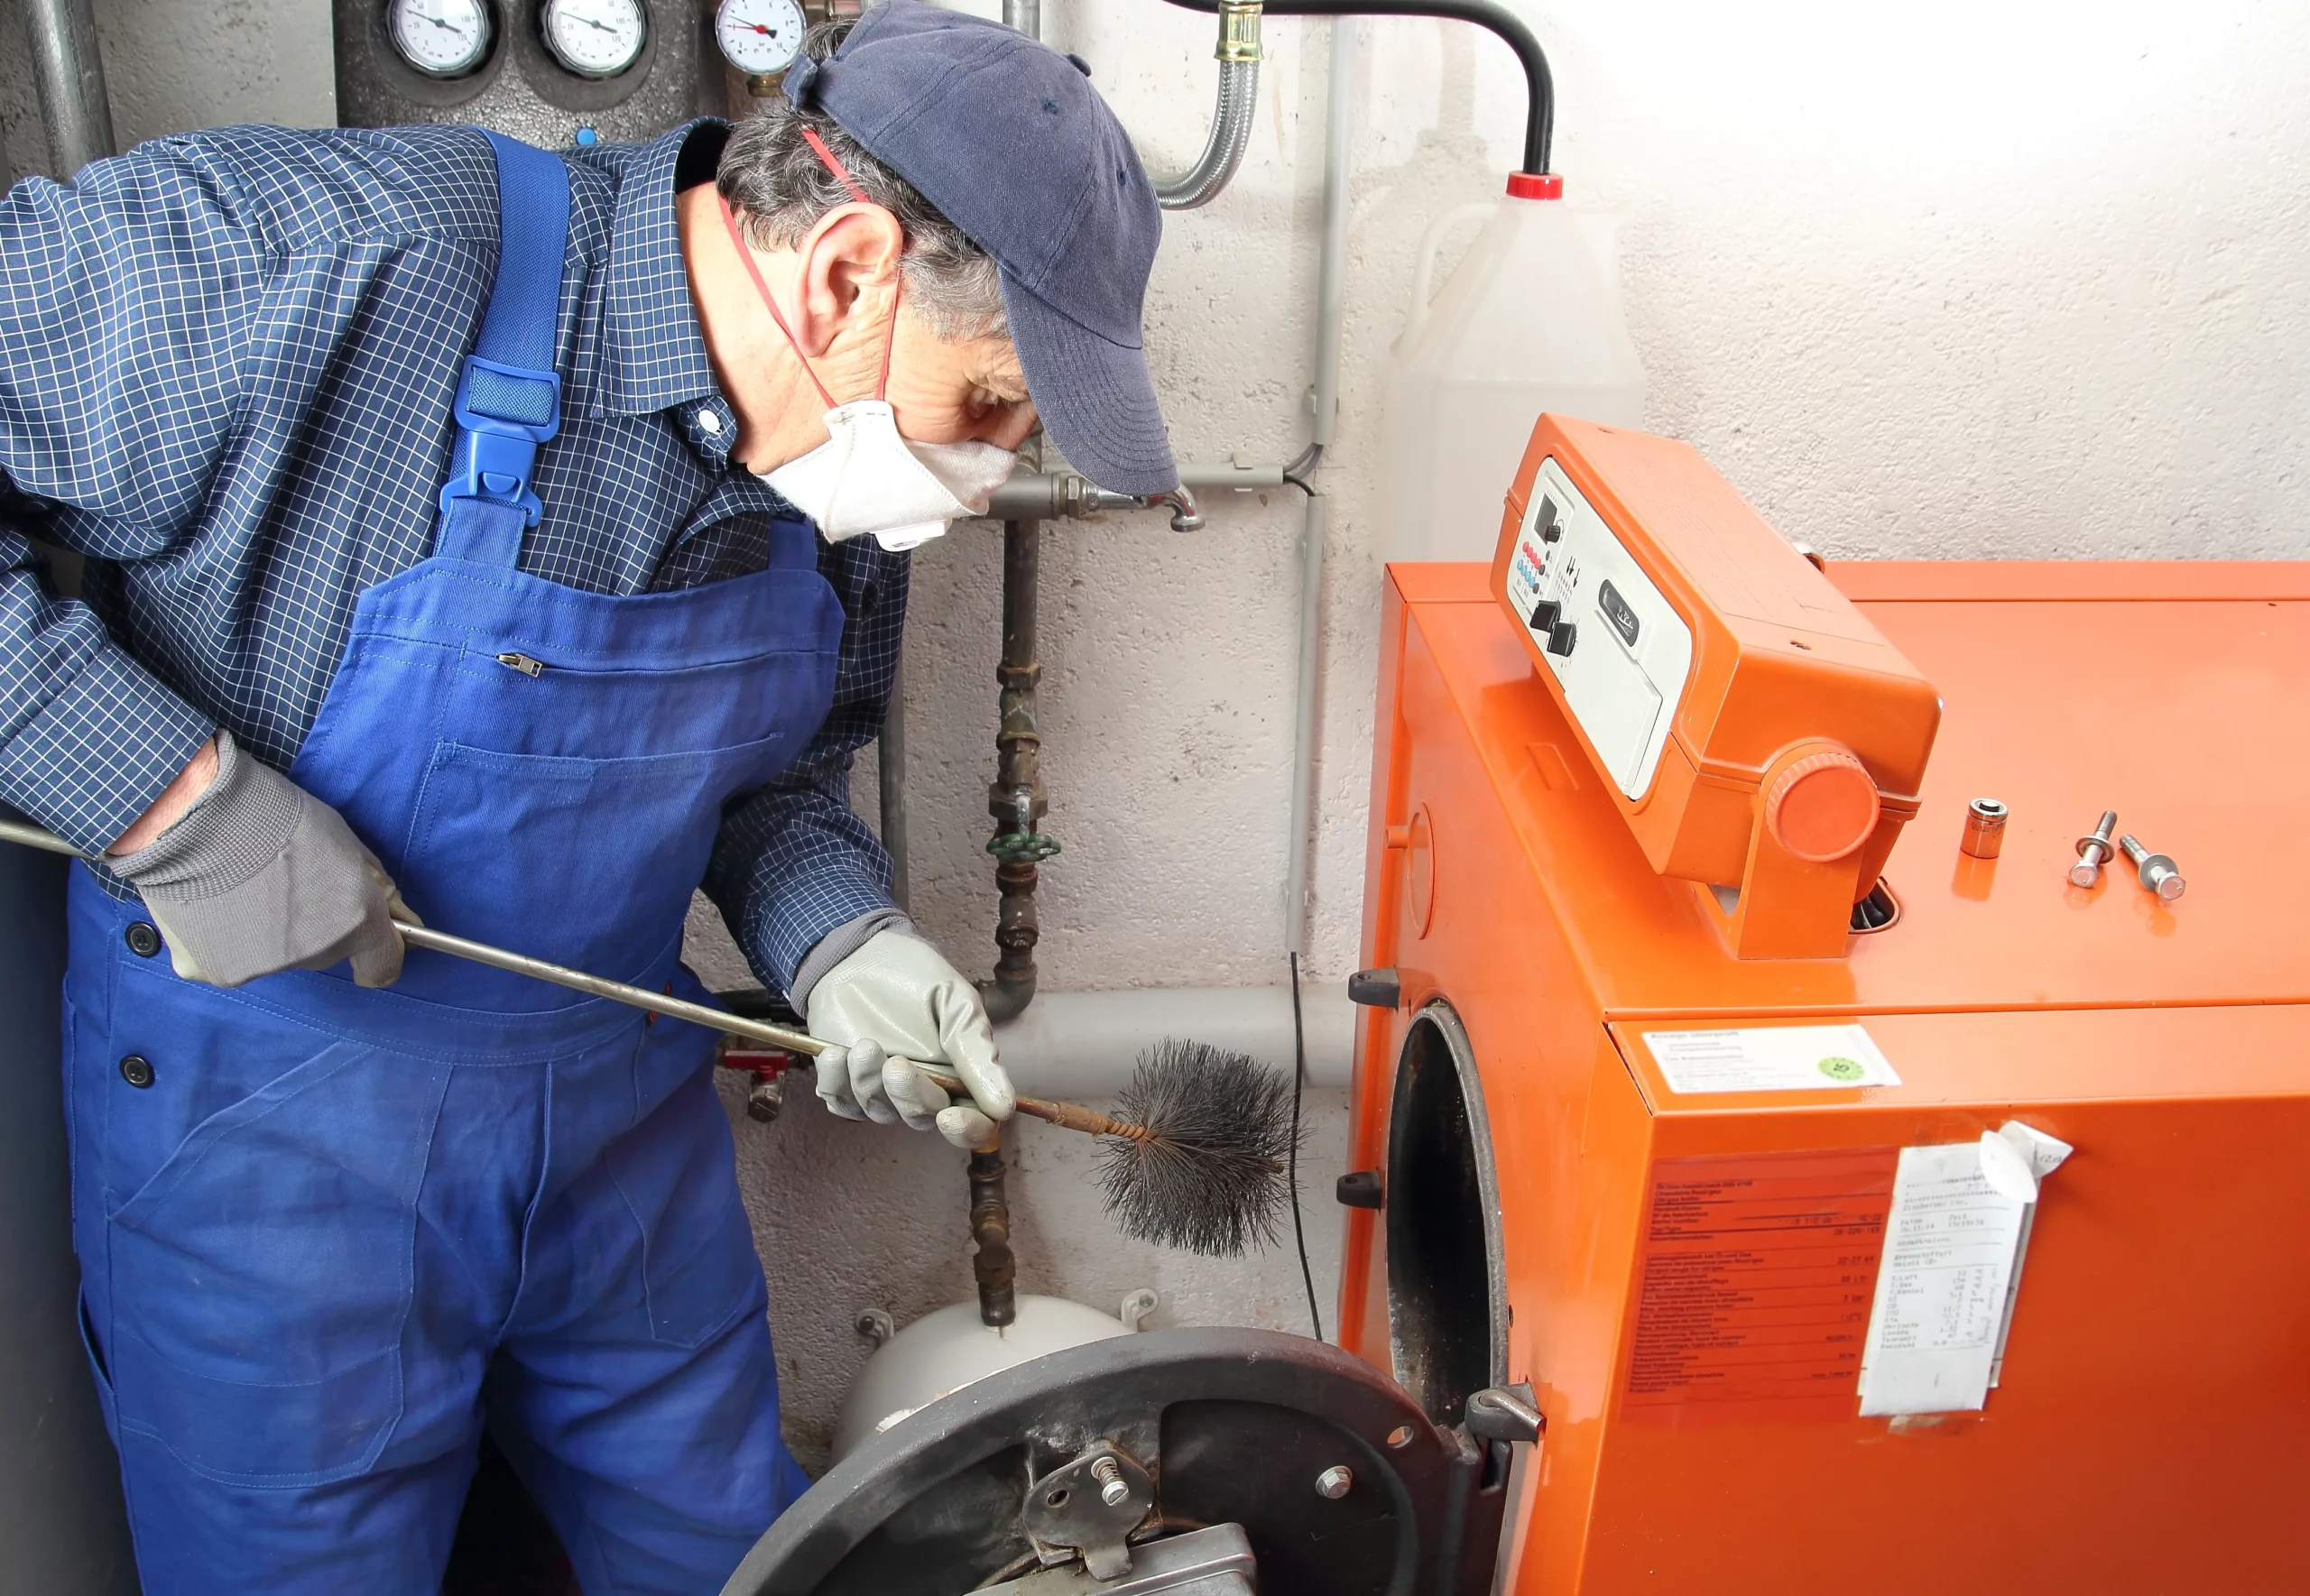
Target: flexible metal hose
1231, 131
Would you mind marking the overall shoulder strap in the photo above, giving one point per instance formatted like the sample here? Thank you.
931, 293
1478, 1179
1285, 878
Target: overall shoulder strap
509, 400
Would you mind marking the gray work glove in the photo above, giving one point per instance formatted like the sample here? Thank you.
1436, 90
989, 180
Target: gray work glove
259, 875
896, 1000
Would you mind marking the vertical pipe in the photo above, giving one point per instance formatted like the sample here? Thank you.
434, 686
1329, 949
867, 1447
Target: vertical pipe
64, 1531
890, 752
1331, 273
1339, 129
1015, 797
1025, 16
71, 77
992, 1266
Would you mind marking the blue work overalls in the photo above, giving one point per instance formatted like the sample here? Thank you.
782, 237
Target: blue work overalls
324, 1233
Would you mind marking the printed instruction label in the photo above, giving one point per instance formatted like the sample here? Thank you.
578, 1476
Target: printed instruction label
1934, 1328
1770, 1058
1756, 1274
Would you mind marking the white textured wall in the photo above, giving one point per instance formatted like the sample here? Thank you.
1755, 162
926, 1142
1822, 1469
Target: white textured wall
2023, 278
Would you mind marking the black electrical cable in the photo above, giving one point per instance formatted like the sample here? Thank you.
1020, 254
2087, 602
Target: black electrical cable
1298, 1081
1540, 116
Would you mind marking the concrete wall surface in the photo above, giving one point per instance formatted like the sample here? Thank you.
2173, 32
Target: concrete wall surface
1991, 278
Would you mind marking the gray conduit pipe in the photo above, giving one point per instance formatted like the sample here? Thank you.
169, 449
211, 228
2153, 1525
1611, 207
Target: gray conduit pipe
1231, 115
71, 75
1331, 277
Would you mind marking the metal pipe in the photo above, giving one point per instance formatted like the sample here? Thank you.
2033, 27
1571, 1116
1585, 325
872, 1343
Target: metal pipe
1055, 495
1086, 1045
992, 1267
1539, 86
890, 753
1015, 797
1313, 530
1231, 115
1331, 277
1024, 16
71, 72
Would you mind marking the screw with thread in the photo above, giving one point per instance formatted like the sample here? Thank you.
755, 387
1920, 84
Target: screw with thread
1113, 1489
2159, 874
2093, 851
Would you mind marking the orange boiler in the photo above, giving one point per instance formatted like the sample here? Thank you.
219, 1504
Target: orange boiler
1864, 1214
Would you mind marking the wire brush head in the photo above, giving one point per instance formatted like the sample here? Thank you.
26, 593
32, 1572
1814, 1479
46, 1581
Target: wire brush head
1209, 1177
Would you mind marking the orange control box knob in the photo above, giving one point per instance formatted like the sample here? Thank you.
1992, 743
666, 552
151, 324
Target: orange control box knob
1821, 806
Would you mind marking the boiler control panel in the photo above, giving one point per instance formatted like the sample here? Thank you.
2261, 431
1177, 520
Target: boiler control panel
1616, 647
1708, 670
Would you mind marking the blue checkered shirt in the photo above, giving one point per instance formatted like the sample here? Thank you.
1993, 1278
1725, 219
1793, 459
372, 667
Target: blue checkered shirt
227, 362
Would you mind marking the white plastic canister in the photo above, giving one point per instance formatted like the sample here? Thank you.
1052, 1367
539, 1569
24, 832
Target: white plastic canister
1530, 321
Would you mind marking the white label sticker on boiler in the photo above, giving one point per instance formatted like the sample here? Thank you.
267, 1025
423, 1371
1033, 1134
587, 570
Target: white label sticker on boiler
1770, 1058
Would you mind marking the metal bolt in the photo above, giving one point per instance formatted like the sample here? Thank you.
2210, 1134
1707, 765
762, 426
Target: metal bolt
1332, 1483
1113, 1489
2093, 851
2159, 874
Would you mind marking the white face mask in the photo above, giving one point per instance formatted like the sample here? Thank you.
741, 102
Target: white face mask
868, 478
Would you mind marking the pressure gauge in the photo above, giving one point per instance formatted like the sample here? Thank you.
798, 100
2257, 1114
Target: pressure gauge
596, 38
761, 38
442, 38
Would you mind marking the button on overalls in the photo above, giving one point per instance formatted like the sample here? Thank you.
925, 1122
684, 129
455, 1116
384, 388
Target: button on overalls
324, 1233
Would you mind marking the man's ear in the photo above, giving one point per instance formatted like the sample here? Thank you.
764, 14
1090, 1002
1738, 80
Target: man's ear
850, 269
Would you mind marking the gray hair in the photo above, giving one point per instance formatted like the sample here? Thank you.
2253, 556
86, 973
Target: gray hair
780, 188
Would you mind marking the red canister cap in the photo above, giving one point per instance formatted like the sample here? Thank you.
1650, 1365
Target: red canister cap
1535, 185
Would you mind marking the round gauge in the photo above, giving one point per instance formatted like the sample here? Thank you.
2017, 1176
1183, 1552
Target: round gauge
596, 38
442, 38
759, 37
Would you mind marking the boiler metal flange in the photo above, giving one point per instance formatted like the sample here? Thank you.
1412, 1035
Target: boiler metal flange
1341, 1485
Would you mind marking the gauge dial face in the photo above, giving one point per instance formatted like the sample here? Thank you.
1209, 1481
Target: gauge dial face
596, 38
760, 36
442, 38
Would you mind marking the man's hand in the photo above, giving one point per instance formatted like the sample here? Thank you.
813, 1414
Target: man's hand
896, 999
253, 874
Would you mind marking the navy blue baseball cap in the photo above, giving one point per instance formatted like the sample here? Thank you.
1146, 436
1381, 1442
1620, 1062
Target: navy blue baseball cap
1009, 140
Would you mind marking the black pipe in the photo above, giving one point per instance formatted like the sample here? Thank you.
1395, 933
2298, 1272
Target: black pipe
1015, 796
61, 1522
1540, 116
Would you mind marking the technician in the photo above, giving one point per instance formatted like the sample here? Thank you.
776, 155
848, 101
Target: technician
518, 541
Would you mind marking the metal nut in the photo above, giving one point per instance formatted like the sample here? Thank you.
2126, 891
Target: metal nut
1984, 829
1335, 1482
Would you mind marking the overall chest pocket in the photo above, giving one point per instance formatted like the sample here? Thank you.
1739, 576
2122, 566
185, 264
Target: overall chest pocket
582, 862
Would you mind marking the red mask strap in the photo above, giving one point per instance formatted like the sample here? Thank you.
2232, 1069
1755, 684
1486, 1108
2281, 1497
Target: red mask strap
840, 171
842, 174
738, 239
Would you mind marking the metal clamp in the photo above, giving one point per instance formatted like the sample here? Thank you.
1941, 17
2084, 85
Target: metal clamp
1090, 1506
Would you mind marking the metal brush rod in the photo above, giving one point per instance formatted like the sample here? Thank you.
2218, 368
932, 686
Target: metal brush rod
1069, 1116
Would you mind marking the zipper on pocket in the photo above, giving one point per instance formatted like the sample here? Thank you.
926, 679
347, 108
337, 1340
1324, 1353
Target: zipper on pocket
522, 663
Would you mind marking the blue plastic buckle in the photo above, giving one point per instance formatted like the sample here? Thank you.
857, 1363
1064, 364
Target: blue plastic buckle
501, 451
